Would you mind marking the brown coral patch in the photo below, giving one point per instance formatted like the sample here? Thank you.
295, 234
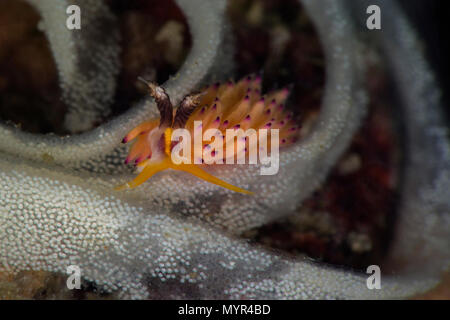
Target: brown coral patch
29, 92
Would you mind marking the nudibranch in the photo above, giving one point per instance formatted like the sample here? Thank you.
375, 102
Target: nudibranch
224, 106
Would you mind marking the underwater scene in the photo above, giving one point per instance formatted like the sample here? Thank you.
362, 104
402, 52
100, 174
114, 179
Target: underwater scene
222, 149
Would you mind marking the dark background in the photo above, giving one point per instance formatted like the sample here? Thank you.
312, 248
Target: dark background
432, 21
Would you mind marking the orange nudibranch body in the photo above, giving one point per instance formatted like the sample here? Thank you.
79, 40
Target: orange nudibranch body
220, 106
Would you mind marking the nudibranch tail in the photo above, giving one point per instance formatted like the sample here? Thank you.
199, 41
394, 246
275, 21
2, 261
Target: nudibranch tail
151, 169
202, 174
219, 106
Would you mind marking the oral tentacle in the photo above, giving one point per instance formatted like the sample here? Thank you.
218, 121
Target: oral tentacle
147, 173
